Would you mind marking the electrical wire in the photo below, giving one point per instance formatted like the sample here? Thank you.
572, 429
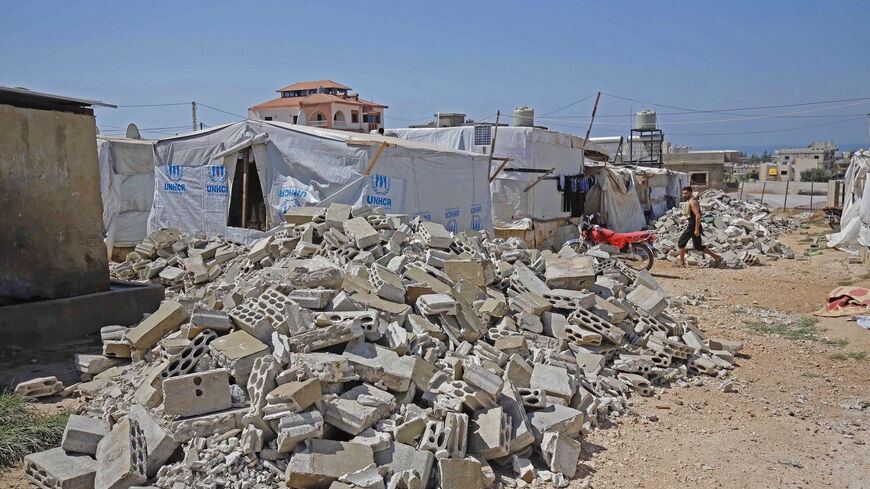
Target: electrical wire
690, 110
569, 105
152, 105
221, 110
765, 131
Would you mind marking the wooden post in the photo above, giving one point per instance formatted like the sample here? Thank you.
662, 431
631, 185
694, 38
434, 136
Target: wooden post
589, 129
763, 188
375, 159
785, 198
499, 169
245, 189
742, 184
811, 195
492, 145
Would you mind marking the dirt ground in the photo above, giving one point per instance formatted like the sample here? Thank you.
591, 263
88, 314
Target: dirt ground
792, 421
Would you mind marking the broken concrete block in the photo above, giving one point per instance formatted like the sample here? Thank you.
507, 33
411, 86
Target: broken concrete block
387, 284
361, 232
380, 365
431, 304
556, 418
555, 381
54, 469
237, 352
159, 442
518, 371
523, 468
116, 349
521, 431
311, 298
121, 456
454, 473
302, 215
591, 322
560, 452
365, 478
435, 235
378, 440
218, 321
298, 394
480, 378
490, 433
82, 434
169, 317
575, 273
184, 430
197, 393
400, 457
39, 387
324, 462
94, 364
478, 272
651, 301
358, 409
297, 427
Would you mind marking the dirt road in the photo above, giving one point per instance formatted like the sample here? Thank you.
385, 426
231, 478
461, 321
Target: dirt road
792, 421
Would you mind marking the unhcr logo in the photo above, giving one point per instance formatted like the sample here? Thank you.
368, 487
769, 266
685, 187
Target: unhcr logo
380, 184
217, 176
288, 204
174, 173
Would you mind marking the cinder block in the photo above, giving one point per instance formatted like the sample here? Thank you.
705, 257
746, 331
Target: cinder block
651, 301
557, 418
299, 394
462, 473
483, 379
490, 433
121, 456
82, 434
553, 380
197, 393
560, 452
362, 233
169, 317
39, 387
324, 462
478, 272
54, 469
159, 442
237, 352
297, 427
401, 457
358, 409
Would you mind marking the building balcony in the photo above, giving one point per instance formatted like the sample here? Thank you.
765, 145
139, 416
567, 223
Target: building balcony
323, 123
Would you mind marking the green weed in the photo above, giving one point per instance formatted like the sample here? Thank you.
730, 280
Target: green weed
23, 430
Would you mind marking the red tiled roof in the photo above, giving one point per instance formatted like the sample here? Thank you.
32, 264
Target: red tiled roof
317, 98
313, 85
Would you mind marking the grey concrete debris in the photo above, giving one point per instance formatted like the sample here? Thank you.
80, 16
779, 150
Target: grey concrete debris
434, 353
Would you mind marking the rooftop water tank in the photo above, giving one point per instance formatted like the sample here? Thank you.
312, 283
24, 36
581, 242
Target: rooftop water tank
524, 117
645, 120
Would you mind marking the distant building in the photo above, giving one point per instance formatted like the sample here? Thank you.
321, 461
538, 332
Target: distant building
776, 172
450, 119
321, 103
818, 155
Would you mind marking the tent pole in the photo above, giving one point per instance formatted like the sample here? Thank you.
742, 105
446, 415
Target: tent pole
375, 159
245, 189
492, 145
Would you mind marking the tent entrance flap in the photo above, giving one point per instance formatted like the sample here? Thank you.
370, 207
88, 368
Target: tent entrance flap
248, 208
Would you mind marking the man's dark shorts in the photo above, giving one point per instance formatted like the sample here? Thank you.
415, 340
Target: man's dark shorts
696, 240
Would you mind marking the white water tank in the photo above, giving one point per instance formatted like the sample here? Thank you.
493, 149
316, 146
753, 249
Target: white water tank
645, 119
524, 117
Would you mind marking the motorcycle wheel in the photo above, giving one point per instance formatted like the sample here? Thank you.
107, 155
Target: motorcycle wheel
580, 247
640, 256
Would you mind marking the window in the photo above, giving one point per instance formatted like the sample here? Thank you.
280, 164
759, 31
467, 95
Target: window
784, 172
482, 135
268, 118
354, 117
698, 179
295, 118
816, 157
372, 118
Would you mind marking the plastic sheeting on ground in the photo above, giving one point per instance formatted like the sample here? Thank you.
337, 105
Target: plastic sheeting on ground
855, 219
529, 148
126, 188
300, 165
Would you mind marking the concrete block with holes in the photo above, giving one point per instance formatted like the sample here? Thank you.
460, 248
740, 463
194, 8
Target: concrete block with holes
159, 442
82, 434
56, 469
121, 457
197, 393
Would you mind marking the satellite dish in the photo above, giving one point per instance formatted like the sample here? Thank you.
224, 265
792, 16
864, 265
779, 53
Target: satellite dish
133, 132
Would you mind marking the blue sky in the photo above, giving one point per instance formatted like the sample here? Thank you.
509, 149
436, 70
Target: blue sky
474, 57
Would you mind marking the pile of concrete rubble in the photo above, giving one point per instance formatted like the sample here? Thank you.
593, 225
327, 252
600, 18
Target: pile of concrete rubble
742, 232
354, 349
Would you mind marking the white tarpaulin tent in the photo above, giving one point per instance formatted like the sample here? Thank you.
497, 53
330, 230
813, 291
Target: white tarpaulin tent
299, 165
855, 220
529, 148
126, 187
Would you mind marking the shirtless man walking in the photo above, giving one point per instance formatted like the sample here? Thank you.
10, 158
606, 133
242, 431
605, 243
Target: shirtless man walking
693, 230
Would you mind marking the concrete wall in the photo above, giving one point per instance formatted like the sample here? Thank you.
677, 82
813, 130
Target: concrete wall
715, 170
51, 224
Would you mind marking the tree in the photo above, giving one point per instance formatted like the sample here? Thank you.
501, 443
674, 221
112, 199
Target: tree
816, 175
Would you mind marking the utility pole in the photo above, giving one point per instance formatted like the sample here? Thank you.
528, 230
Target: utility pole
193, 110
492, 144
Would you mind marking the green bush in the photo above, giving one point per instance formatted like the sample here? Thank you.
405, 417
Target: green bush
816, 175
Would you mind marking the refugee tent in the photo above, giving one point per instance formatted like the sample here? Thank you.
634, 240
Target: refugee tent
658, 189
200, 178
127, 189
855, 220
536, 154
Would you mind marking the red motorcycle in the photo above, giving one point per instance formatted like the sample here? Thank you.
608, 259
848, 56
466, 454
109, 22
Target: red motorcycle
635, 248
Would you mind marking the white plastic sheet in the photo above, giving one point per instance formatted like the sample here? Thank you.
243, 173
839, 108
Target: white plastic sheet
528, 148
299, 165
126, 187
855, 219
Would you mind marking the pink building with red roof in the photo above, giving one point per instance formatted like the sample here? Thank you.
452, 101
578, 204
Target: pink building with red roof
321, 103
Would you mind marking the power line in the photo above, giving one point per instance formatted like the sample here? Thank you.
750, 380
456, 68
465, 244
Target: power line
221, 110
569, 105
687, 110
153, 105
765, 131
